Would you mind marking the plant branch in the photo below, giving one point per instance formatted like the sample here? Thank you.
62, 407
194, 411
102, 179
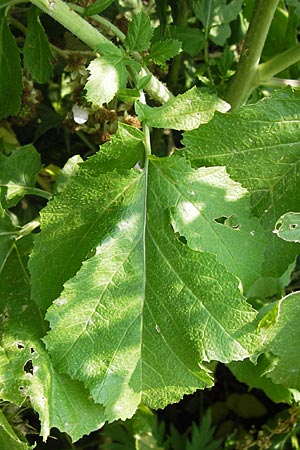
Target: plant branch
244, 80
84, 31
281, 82
104, 22
275, 65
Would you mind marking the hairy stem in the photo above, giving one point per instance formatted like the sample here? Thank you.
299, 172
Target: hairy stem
82, 29
244, 80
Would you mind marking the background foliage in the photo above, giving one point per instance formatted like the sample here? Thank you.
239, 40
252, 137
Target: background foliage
149, 189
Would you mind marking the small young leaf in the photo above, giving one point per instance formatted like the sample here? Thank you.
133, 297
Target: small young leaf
107, 75
97, 7
142, 82
163, 50
288, 227
37, 54
185, 112
139, 33
10, 71
192, 39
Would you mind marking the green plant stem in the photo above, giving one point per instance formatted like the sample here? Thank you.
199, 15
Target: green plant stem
244, 80
275, 65
104, 22
61, 12
82, 29
176, 64
281, 82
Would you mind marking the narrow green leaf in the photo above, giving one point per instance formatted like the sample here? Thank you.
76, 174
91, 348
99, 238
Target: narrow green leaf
107, 75
282, 339
288, 227
139, 33
97, 7
37, 54
10, 71
259, 145
164, 50
185, 112
18, 175
69, 170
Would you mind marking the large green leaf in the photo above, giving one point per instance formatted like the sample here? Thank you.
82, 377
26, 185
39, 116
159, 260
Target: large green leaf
143, 303
213, 213
64, 235
18, 175
184, 112
259, 145
25, 367
37, 54
10, 71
